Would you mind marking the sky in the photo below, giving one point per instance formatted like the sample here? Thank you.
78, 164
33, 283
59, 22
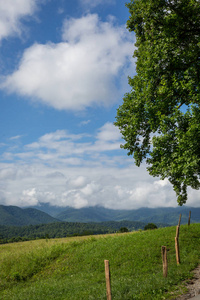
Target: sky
63, 73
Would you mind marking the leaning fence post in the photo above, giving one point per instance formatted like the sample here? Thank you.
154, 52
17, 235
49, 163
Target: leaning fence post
164, 260
189, 218
177, 250
108, 285
177, 245
179, 222
177, 232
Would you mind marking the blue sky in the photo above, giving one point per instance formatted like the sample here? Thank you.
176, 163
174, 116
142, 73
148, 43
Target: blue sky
64, 67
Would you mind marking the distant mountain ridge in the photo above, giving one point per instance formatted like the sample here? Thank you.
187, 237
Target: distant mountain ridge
44, 214
164, 215
16, 216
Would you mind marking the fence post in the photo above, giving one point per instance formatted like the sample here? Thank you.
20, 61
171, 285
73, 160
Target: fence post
177, 232
189, 218
179, 222
164, 260
108, 285
177, 250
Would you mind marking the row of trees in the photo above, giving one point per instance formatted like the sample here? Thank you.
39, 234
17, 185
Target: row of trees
9, 234
52, 230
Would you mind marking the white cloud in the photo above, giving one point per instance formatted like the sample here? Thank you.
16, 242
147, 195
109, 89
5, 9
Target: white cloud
109, 132
11, 15
84, 187
17, 137
83, 123
79, 72
77, 182
28, 197
111, 187
59, 145
62, 169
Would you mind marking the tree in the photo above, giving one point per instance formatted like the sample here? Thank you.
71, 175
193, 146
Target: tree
150, 226
160, 117
123, 229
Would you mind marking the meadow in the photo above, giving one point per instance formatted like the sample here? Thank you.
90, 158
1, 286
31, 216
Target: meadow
73, 268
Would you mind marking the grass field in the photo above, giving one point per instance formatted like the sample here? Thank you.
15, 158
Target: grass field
73, 268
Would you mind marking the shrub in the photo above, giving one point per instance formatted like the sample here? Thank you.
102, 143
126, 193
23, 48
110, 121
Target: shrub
150, 226
123, 229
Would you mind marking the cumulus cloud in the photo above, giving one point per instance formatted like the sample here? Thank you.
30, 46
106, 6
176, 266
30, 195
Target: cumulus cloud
59, 146
77, 182
111, 187
11, 15
29, 197
109, 132
63, 169
79, 72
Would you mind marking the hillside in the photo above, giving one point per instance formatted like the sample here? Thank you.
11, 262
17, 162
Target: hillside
63, 229
73, 268
15, 216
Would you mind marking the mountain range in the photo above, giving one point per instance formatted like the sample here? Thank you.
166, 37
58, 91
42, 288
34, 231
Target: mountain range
164, 215
44, 214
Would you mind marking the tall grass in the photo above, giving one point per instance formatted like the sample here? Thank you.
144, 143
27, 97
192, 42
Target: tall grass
74, 268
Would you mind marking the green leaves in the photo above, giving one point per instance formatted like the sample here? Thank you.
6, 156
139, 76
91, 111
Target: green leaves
165, 95
176, 152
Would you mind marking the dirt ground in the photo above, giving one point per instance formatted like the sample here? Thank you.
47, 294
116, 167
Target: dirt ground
193, 286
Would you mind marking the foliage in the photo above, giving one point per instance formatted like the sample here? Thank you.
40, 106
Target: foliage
11, 234
130, 225
52, 230
73, 268
160, 118
150, 226
123, 229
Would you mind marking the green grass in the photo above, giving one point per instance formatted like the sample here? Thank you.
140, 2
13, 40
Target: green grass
73, 268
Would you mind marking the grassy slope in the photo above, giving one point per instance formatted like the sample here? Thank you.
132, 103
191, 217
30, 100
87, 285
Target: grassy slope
73, 268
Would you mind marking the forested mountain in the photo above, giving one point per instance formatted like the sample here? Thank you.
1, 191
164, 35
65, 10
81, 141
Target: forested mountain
168, 215
15, 216
88, 214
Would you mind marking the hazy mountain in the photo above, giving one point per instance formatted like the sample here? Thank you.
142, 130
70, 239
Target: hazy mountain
43, 214
49, 209
88, 214
148, 215
15, 216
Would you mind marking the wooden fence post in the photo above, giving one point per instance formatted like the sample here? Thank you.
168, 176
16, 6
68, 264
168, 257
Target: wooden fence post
177, 250
189, 218
179, 222
177, 232
108, 285
164, 260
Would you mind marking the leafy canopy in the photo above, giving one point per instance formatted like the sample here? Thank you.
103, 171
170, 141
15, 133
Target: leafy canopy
150, 226
160, 118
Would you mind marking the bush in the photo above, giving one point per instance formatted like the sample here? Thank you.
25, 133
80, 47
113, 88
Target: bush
150, 226
123, 229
